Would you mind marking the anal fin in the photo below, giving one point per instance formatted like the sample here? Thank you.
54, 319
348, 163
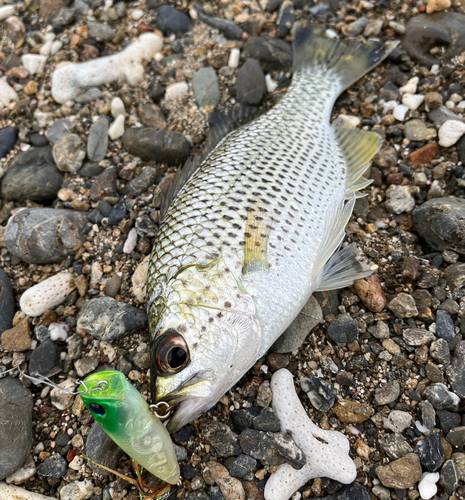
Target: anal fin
358, 147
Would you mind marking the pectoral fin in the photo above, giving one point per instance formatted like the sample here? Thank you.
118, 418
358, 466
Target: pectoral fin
256, 239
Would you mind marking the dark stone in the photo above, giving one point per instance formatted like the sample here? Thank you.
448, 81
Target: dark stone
215, 493
185, 434
152, 144
32, 175
448, 420
425, 31
455, 276
151, 115
329, 302
430, 452
456, 437
243, 418
117, 215
441, 223
242, 466
345, 378
343, 329
221, 437
285, 19
250, 86
444, 325
389, 92
229, 28
107, 319
95, 216
276, 361
142, 182
44, 357
97, 143
8, 136
354, 491
59, 129
321, 394
272, 448
273, 54
53, 467
450, 477
104, 207
45, 235
172, 21
15, 425
456, 370
102, 450
198, 495
62, 439
90, 169
395, 446
267, 421
188, 472
104, 185
156, 91
7, 302
37, 139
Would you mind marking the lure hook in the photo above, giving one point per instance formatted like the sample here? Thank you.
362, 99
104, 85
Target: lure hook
162, 409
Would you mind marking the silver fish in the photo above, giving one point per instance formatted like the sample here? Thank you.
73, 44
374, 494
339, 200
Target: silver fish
253, 232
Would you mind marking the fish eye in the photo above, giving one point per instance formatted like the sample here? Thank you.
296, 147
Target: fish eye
97, 409
171, 353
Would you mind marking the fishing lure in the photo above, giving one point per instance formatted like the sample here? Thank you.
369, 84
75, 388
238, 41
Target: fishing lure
125, 416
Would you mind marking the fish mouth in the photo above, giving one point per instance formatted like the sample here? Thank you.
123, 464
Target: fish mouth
186, 411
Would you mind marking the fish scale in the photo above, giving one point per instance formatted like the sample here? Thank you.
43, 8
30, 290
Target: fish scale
249, 236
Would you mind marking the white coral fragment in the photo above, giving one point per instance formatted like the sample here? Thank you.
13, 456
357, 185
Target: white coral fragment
47, 294
126, 66
327, 452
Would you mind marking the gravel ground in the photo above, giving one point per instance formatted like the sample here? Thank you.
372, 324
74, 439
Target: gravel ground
85, 160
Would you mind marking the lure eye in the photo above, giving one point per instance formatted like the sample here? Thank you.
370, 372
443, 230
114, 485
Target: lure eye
97, 409
171, 353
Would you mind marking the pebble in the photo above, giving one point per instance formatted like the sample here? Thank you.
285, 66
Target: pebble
450, 132
450, 477
400, 112
412, 101
321, 394
229, 28
399, 200
428, 415
395, 446
6, 11
112, 286
327, 452
7, 94
62, 399
7, 302
424, 155
116, 129
32, 175
456, 437
242, 466
8, 136
445, 328
411, 86
296, 333
106, 319
105, 185
221, 437
101, 32
402, 473
44, 357
427, 486
398, 421
416, 130
58, 331
266, 420
234, 57
430, 452
437, 6
34, 63
77, 490
59, 129
172, 21
16, 404
356, 27
371, 293
440, 397
131, 242
250, 84
388, 393
205, 87
455, 276
161, 146
10, 492
403, 306
273, 54
117, 107
53, 467
417, 337
47, 294
151, 116
18, 338
231, 488
25, 472
352, 412
126, 66
97, 143
343, 329
69, 153
456, 370
102, 450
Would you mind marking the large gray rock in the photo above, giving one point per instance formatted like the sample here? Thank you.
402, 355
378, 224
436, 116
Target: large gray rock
273, 54
45, 235
441, 223
32, 175
296, 333
107, 319
7, 302
15, 425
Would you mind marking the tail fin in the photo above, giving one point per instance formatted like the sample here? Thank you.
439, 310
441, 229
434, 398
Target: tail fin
349, 61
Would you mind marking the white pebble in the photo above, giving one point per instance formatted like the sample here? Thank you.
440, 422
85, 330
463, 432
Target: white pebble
176, 91
450, 132
69, 80
412, 101
411, 86
47, 294
435, 68
388, 106
117, 107
271, 85
34, 63
423, 429
400, 112
7, 94
50, 36
63, 398
234, 57
46, 48
56, 46
78, 490
10, 492
58, 331
139, 280
449, 104
427, 486
193, 14
27, 470
137, 14
131, 241
331, 33
353, 121
327, 452
96, 273
116, 129
461, 105
6, 11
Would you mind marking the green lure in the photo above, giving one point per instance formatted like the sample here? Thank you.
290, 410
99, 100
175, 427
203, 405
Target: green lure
124, 415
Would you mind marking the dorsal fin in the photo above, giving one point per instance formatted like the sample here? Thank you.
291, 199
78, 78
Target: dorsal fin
221, 123
358, 147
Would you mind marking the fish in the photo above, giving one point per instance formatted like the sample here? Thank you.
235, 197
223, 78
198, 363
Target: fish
255, 227
125, 416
